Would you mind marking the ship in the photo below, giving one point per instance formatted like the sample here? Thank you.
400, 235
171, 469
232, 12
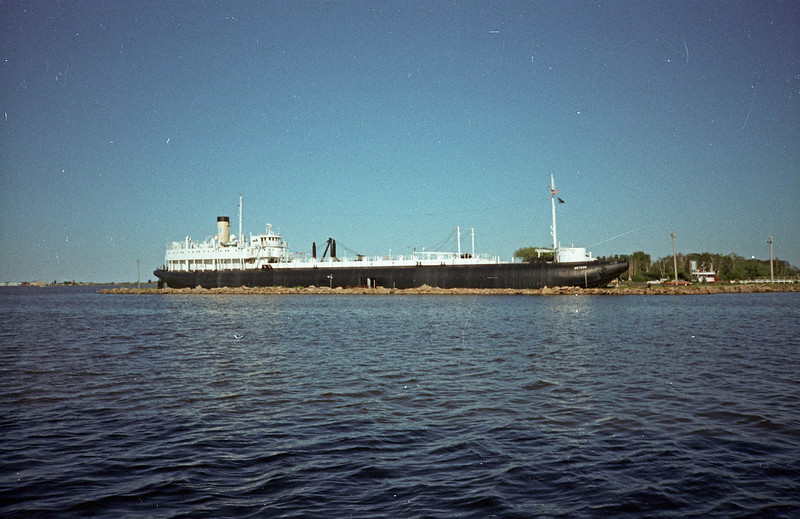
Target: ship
264, 260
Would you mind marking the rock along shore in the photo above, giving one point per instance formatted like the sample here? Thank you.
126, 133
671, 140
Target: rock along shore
426, 290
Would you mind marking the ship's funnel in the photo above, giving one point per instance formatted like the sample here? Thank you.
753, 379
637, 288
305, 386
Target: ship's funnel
223, 229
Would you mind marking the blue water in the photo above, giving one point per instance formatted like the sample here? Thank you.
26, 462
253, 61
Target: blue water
398, 406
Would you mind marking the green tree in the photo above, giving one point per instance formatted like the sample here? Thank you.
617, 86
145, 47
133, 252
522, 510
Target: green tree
753, 269
529, 254
782, 269
639, 265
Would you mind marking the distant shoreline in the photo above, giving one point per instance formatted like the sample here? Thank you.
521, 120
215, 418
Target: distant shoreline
426, 290
42, 284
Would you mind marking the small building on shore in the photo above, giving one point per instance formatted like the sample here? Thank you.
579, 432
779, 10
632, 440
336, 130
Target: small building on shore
703, 274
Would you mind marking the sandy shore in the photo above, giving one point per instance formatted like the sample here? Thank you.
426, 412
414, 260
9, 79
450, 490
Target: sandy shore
426, 290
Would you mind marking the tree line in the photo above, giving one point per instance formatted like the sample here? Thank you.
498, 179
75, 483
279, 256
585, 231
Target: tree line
729, 267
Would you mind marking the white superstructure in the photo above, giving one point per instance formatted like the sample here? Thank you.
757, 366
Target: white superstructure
215, 254
268, 250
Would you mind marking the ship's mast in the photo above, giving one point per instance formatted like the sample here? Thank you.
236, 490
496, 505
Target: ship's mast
241, 239
473, 242
553, 193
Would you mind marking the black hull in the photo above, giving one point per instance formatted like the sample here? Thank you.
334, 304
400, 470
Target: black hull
500, 275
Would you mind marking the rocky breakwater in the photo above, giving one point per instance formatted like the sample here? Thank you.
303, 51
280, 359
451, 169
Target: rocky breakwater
427, 290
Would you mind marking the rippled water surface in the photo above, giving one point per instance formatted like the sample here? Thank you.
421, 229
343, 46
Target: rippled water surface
398, 406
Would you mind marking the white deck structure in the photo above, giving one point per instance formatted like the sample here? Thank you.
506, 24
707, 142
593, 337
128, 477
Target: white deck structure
269, 250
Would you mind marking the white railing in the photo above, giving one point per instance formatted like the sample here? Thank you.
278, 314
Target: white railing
764, 281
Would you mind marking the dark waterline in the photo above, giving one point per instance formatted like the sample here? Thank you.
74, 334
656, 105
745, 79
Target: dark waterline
398, 406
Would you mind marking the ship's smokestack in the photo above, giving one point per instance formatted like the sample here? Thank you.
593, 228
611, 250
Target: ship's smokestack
223, 229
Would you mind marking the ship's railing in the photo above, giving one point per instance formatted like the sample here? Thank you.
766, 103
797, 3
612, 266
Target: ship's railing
191, 245
386, 261
209, 256
206, 264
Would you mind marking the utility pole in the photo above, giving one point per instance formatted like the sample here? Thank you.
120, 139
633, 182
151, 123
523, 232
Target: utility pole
771, 270
137, 274
674, 258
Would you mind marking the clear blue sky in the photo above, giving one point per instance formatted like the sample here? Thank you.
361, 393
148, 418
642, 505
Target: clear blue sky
125, 125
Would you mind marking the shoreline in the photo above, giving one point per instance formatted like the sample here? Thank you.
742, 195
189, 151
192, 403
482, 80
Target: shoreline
426, 290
